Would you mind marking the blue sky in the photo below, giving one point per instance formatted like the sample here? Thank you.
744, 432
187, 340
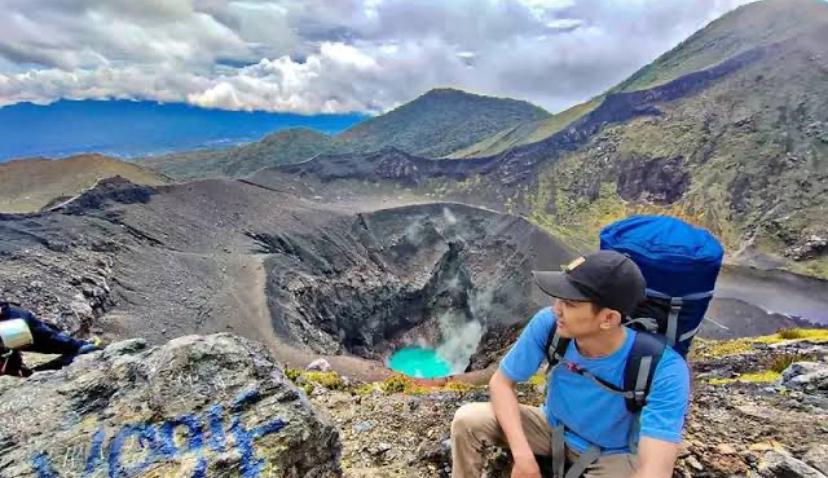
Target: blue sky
333, 56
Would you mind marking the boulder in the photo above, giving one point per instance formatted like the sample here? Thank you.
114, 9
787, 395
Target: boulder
817, 456
806, 375
197, 406
776, 463
319, 365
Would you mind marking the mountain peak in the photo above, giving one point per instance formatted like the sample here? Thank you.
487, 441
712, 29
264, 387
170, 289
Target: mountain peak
755, 25
440, 122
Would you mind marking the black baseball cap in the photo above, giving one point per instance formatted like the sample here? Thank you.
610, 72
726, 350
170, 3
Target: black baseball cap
607, 278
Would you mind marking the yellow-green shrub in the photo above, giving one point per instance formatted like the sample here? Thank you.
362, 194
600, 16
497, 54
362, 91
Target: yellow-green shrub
779, 363
329, 380
809, 334
395, 384
292, 374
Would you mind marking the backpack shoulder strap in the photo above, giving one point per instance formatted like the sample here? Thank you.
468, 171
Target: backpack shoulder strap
555, 347
641, 365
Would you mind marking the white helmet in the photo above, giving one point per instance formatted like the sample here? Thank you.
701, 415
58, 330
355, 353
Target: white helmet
15, 334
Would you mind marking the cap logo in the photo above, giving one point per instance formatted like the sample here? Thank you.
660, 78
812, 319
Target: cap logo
572, 265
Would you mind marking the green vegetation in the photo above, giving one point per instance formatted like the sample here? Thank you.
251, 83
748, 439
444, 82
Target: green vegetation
774, 366
433, 125
712, 349
526, 133
439, 123
771, 21
308, 380
283, 147
779, 363
329, 380
767, 376
817, 335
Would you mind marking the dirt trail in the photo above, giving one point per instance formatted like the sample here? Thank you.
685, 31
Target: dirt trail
247, 281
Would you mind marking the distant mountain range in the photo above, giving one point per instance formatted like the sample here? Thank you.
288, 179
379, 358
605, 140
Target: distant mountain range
436, 124
140, 128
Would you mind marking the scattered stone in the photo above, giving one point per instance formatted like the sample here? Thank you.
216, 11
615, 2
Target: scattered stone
817, 456
781, 464
806, 375
381, 448
694, 463
363, 427
319, 365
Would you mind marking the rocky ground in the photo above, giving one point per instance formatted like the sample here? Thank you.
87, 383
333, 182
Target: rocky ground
745, 419
210, 406
127, 261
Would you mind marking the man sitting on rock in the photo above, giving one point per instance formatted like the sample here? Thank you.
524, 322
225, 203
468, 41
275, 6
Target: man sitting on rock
44, 338
592, 295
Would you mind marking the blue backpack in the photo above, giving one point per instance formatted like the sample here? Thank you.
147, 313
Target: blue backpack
680, 263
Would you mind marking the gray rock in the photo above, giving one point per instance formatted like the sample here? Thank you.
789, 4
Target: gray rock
781, 464
817, 456
363, 427
319, 365
197, 406
806, 375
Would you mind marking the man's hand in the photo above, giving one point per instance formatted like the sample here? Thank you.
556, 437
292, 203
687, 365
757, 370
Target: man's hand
526, 466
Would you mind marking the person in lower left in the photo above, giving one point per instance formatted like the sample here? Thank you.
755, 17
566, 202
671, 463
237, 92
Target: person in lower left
45, 339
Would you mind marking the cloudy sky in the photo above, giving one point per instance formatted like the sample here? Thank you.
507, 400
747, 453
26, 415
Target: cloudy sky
313, 56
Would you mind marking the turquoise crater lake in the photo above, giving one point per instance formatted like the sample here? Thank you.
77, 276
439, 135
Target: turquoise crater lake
419, 362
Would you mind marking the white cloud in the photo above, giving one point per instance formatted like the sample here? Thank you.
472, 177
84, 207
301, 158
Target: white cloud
332, 55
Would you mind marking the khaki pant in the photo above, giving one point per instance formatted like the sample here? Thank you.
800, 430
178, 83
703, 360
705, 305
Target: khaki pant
475, 426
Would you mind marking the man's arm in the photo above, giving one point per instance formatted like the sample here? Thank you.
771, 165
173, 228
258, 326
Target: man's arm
656, 458
507, 411
662, 419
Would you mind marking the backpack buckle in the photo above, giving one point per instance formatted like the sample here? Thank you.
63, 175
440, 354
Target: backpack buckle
640, 396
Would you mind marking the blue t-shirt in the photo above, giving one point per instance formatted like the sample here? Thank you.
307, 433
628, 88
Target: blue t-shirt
591, 414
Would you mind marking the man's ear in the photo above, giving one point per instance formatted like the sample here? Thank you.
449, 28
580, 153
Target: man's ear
610, 318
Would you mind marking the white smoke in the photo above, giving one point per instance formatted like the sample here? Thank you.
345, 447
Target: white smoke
461, 340
450, 218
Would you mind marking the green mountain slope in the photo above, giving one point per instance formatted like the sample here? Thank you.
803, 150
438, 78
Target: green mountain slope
433, 125
283, 147
736, 32
527, 133
747, 27
746, 155
438, 123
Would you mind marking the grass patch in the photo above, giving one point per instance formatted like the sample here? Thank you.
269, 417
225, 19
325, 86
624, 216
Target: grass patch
779, 363
728, 348
767, 376
460, 387
538, 379
719, 349
329, 380
307, 380
805, 334
292, 374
